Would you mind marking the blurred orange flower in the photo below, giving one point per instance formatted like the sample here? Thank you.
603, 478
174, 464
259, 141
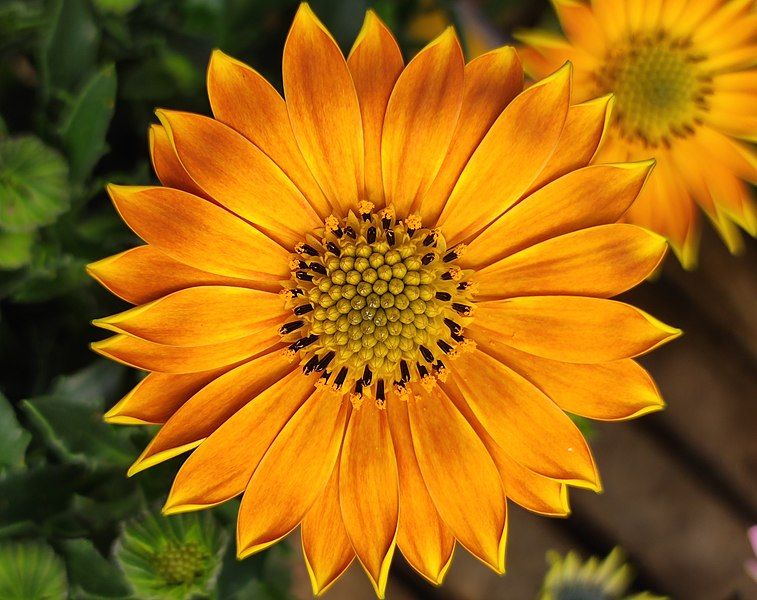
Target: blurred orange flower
685, 84
446, 257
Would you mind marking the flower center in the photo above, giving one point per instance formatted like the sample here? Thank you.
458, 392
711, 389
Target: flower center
378, 302
180, 564
661, 91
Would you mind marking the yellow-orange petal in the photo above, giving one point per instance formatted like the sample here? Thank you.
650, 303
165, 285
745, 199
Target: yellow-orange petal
584, 129
523, 486
375, 62
240, 176
327, 549
324, 110
420, 120
211, 406
222, 465
510, 157
546, 51
244, 100
459, 488
611, 391
601, 261
581, 26
143, 274
149, 356
369, 492
523, 421
530, 490
423, 538
199, 316
491, 81
293, 472
158, 396
587, 197
665, 205
571, 328
166, 164
198, 233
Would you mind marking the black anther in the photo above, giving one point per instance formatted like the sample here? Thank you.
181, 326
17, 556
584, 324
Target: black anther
303, 309
290, 327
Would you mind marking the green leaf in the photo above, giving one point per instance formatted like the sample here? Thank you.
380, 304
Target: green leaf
70, 418
91, 576
29, 498
33, 184
77, 433
15, 249
69, 47
91, 386
117, 7
86, 123
14, 439
31, 571
19, 21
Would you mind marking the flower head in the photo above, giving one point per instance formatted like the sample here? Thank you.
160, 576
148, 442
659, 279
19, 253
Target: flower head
570, 578
685, 93
174, 558
368, 307
31, 571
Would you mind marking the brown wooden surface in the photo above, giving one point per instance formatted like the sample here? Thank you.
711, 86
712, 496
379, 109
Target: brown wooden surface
680, 486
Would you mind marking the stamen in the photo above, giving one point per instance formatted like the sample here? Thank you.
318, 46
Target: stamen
443, 296
365, 208
367, 376
462, 309
311, 365
324, 362
455, 253
339, 381
444, 346
318, 268
324, 379
288, 328
303, 309
427, 354
413, 223
428, 258
303, 276
350, 232
454, 327
405, 371
380, 397
303, 343
303, 248
333, 248
371, 235
430, 238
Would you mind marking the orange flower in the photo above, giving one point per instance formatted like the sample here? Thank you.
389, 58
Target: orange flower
446, 258
685, 84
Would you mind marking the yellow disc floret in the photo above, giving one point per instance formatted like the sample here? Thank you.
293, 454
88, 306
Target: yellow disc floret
660, 90
378, 302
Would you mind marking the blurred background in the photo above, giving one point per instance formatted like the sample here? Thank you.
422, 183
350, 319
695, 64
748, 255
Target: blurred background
79, 80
